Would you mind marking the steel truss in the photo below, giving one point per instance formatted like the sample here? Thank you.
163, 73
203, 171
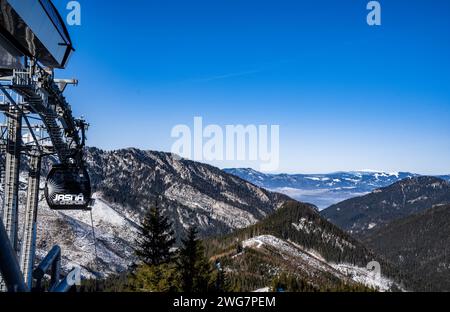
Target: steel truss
32, 94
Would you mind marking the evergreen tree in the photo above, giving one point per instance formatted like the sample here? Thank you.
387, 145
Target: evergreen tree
155, 278
156, 239
239, 248
193, 267
222, 283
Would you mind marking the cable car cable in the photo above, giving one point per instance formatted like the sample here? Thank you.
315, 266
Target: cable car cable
95, 241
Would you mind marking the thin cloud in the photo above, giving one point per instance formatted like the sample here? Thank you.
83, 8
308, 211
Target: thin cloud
265, 67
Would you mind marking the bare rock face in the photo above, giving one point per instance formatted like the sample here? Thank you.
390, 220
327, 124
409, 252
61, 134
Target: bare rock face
190, 193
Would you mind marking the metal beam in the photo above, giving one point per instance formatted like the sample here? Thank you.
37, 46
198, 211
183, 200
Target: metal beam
11, 202
10, 217
9, 267
51, 261
27, 254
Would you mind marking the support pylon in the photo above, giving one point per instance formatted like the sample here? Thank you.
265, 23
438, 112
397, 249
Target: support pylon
12, 163
12, 166
29, 240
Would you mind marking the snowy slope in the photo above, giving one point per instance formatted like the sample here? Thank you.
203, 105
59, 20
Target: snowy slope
115, 233
126, 184
313, 263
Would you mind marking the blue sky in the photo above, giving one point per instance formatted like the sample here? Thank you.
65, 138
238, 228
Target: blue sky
346, 96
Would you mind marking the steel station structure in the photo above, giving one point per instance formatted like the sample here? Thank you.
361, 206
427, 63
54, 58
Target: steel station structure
39, 122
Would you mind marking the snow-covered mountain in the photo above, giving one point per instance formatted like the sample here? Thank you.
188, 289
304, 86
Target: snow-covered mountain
323, 190
126, 183
191, 193
384, 205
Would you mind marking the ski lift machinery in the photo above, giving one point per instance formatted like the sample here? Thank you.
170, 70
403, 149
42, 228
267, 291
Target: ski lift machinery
33, 42
68, 185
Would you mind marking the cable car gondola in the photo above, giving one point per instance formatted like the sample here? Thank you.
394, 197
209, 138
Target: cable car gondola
68, 188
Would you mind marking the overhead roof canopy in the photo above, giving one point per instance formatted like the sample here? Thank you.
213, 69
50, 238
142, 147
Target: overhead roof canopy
35, 28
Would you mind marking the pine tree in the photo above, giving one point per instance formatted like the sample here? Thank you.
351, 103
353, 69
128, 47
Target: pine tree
192, 265
155, 278
222, 283
156, 239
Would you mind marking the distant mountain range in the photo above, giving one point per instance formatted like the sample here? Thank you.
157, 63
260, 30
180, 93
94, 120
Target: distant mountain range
407, 222
324, 190
382, 206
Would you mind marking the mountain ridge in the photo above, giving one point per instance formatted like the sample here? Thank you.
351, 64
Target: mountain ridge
168, 180
381, 206
297, 241
324, 190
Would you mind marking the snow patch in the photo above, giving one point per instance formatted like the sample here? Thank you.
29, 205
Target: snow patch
365, 276
312, 261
